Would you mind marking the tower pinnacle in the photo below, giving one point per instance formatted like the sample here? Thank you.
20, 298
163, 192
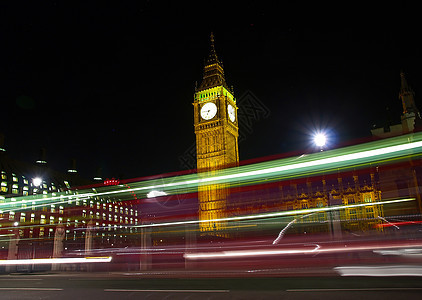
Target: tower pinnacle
213, 69
407, 96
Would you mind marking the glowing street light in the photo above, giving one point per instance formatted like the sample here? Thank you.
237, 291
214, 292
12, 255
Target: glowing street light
37, 181
320, 139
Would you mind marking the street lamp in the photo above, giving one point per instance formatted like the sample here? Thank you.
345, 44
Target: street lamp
320, 139
37, 181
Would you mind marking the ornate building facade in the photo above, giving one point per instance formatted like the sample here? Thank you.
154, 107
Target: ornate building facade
35, 228
216, 130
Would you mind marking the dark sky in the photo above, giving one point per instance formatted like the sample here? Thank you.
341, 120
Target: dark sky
111, 83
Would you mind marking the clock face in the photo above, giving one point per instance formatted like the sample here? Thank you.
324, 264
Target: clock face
231, 112
208, 111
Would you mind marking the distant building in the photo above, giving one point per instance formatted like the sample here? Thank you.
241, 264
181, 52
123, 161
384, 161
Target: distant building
409, 118
403, 181
33, 226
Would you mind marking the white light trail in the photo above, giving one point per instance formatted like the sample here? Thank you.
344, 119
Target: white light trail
317, 249
245, 253
278, 214
43, 261
381, 271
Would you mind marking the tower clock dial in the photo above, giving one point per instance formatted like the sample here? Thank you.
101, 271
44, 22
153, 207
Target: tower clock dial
231, 112
208, 111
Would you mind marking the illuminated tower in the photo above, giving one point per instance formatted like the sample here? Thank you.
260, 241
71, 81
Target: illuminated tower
216, 129
410, 111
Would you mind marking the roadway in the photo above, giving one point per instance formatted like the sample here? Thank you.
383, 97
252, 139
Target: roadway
161, 285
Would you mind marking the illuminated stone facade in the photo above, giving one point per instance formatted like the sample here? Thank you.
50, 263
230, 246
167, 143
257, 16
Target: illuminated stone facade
216, 129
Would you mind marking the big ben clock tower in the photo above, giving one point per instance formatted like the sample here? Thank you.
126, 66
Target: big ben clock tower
216, 129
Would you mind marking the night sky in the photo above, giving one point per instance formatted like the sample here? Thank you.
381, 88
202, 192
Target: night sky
111, 83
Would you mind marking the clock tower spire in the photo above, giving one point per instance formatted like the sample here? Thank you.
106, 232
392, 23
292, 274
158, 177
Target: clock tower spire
216, 130
213, 70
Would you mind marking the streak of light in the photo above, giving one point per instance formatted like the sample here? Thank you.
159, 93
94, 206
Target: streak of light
394, 270
386, 221
316, 250
277, 214
283, 231
245, 253
43, 261
359, 155
396, 224
400, 252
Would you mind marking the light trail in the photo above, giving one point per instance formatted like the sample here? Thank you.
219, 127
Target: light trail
347, 157
278, 214
43, 261
317, 249
247, 253
382, 271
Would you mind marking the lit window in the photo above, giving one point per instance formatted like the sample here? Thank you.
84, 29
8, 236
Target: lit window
53, 208
11, 215
51, 220
15, 189
42, 221
22, 219
61, 209
4, 186
32, 218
